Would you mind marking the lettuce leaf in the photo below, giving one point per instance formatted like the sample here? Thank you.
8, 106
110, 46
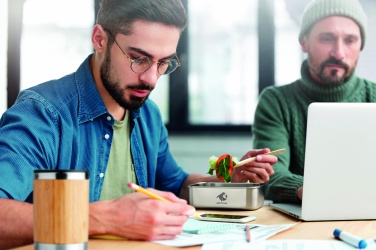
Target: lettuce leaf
223, 168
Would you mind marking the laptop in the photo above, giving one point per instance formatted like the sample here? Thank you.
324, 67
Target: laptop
340, 164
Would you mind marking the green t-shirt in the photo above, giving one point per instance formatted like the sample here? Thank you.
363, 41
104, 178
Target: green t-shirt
120, 168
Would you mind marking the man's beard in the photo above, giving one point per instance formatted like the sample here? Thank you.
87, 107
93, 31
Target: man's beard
116, 91
332, 78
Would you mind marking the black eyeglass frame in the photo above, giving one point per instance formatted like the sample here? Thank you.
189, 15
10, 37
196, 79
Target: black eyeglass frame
172, 64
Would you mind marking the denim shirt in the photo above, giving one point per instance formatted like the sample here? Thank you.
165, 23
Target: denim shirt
64, 124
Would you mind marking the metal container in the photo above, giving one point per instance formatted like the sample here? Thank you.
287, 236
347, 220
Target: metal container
217, 195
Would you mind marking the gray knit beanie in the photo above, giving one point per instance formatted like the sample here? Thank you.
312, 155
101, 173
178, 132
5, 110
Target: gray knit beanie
319, 9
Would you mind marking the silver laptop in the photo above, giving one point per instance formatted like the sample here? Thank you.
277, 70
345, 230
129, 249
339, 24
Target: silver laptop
340, 164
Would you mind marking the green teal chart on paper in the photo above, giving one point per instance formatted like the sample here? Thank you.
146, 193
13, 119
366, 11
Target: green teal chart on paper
194, 226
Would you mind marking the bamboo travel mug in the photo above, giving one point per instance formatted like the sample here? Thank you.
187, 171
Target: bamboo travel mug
61, 209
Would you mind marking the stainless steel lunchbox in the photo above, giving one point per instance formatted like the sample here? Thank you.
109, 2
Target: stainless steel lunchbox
217, 195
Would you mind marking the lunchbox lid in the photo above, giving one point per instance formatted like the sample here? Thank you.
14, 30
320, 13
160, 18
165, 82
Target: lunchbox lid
227, 185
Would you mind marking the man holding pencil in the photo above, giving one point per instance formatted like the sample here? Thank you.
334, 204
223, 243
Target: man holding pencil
100, 119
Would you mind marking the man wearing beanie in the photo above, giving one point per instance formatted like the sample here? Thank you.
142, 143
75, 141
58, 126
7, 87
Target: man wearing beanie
332, 33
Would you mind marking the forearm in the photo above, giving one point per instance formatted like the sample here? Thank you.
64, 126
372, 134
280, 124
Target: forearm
272, 129
194, 178
16, 223
284, 188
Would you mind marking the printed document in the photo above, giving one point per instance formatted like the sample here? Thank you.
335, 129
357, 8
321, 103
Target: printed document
258, 233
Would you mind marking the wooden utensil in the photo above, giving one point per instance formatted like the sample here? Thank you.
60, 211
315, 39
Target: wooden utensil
241, 163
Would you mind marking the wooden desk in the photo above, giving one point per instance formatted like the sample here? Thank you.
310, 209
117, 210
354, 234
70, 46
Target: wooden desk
267, 216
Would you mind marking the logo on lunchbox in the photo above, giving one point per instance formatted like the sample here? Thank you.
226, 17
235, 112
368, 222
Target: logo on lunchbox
222, 197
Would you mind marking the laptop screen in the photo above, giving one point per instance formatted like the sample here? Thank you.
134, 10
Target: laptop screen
340, 163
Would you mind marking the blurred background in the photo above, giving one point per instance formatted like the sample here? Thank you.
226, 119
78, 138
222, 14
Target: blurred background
230, 51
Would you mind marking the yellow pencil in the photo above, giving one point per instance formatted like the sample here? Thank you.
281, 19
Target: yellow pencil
146, 192
152, 195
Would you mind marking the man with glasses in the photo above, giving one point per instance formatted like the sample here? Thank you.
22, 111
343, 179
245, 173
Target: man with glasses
100, 119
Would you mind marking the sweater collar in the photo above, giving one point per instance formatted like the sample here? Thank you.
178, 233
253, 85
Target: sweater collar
327, 93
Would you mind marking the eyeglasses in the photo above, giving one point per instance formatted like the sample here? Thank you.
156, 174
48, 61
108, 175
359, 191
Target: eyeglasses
142, 64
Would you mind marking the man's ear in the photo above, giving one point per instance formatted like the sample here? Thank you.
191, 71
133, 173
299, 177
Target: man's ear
99, 38
303, 44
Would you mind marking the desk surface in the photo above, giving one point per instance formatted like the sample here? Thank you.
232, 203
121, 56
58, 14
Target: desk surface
265, 215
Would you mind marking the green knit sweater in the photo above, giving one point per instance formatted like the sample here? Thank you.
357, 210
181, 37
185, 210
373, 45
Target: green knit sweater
281, 120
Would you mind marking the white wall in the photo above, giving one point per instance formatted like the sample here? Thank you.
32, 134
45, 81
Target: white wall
3, 54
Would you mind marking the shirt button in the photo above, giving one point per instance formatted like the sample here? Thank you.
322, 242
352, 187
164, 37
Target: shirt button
106, 136
108, 118
101, 175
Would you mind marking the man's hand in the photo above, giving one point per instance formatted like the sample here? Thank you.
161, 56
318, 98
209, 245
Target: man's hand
257, 171
300, 192
136, 216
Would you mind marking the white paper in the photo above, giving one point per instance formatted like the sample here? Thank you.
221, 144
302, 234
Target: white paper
258, 233
286, 245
